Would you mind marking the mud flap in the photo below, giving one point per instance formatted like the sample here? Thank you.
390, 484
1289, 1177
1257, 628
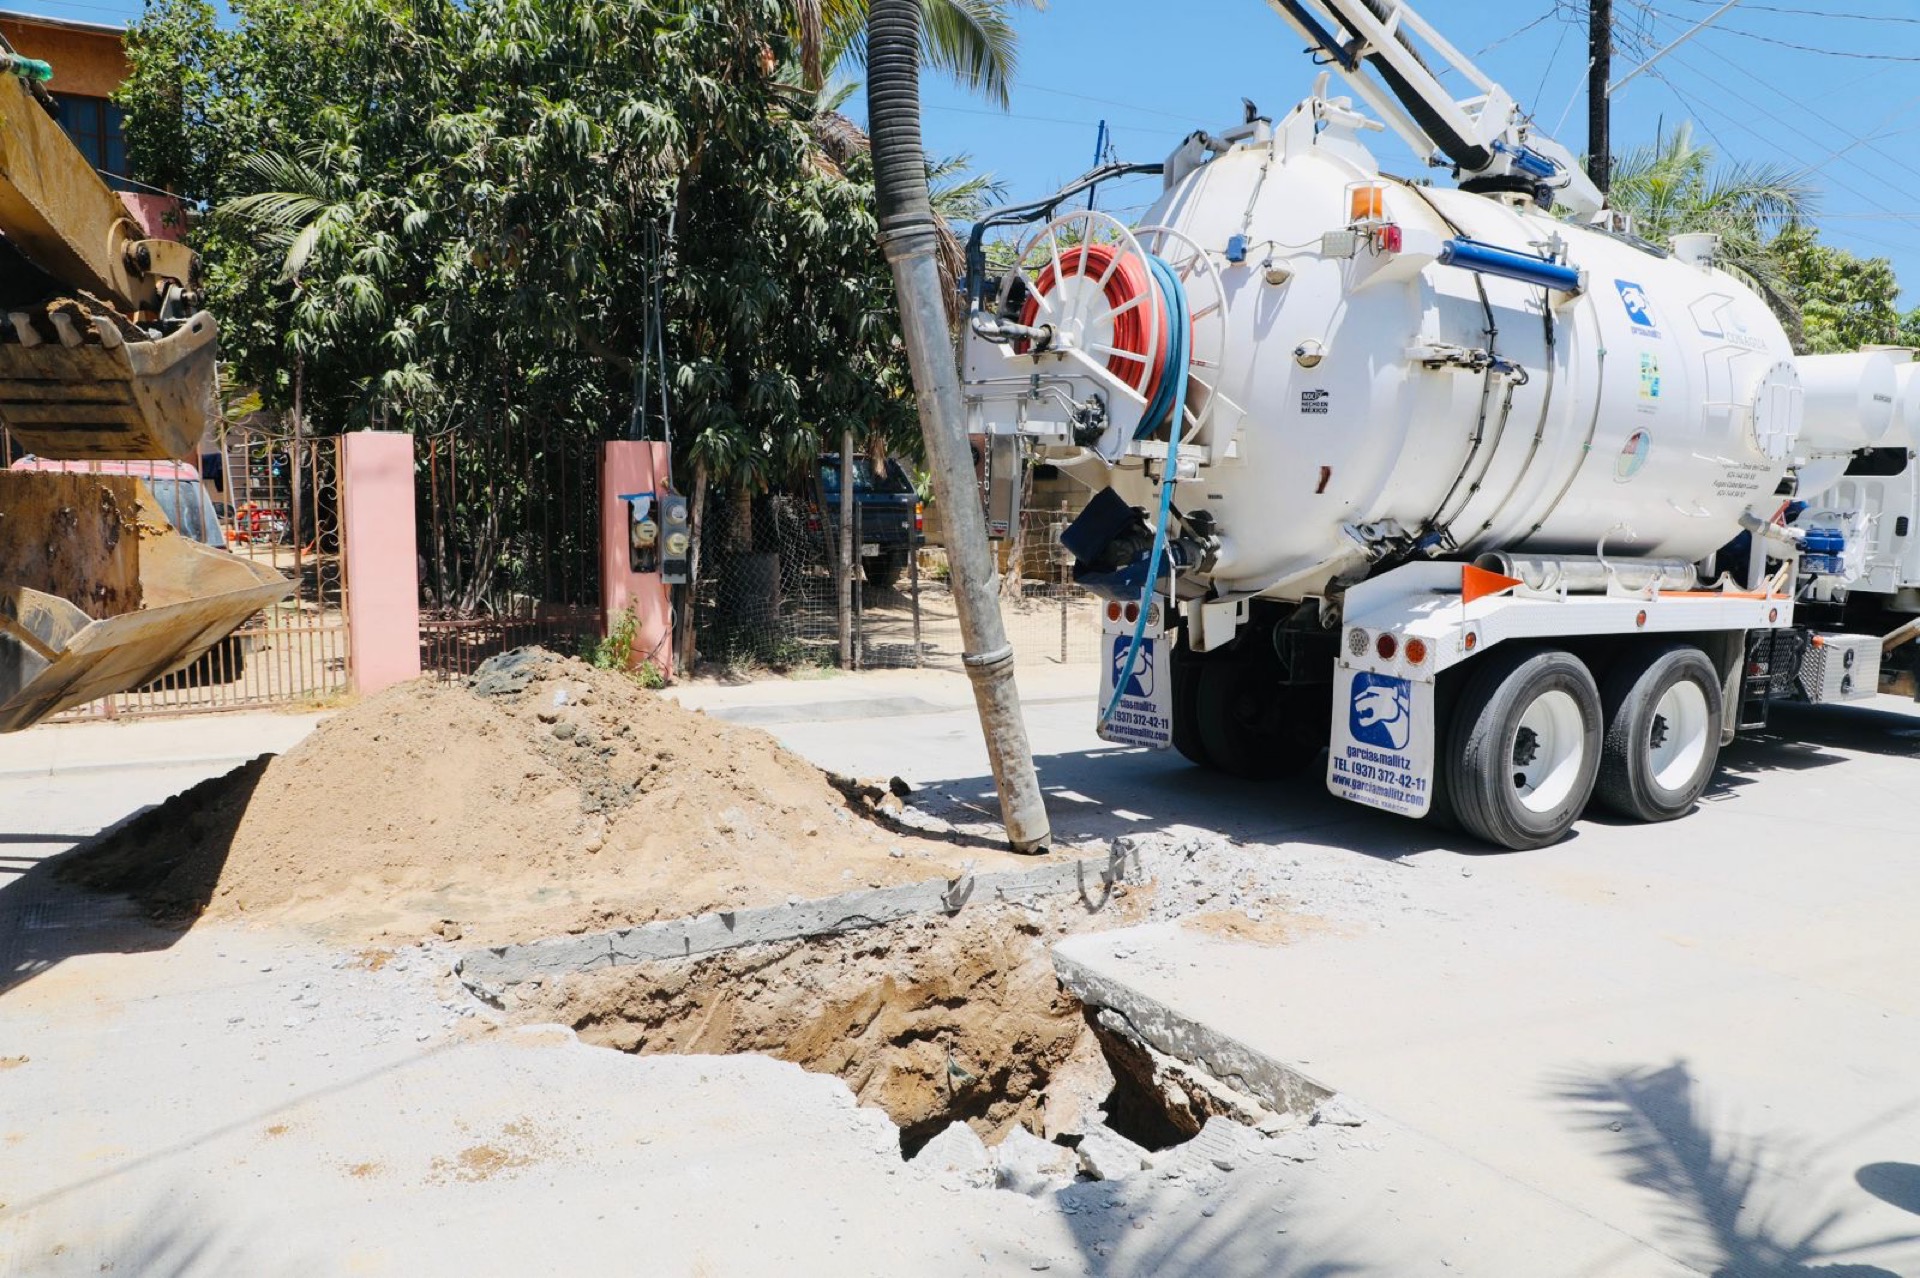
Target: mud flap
1382, 748
1144, 716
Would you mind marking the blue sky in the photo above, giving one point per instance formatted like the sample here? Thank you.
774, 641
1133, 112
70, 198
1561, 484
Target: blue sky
1157, 69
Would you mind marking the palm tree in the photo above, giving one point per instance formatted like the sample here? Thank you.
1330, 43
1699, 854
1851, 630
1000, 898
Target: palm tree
1672, 187
970, 40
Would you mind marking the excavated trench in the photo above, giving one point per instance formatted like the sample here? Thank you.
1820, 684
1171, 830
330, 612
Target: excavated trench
932, 1021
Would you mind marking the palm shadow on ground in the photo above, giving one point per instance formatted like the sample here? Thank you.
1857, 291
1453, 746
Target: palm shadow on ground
1734, 1204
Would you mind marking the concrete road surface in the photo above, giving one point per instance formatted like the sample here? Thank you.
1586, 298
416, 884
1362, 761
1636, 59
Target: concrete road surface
1689, 1049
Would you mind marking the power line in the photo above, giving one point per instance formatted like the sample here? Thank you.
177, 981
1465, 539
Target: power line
1557, 44
1826, 53
1109, 102
1008, 115
1838, 128
1784, 123
1516, 34
1820, 13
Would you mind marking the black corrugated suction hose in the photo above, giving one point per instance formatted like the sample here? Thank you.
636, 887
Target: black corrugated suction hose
893, 114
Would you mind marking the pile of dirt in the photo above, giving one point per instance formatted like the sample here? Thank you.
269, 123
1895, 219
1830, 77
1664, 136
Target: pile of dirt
541, 796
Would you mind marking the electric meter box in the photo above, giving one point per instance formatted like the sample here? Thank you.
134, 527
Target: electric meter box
676, 539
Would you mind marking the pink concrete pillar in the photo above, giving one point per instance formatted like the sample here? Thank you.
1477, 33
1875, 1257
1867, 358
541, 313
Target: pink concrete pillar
633, 466
383, 575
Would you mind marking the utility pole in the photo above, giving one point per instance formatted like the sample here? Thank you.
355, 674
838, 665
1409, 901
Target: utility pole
1099, 153
1599, 107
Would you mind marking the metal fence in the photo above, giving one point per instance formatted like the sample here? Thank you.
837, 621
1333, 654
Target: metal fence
277, 509
769, 595
1049, 619
509, 543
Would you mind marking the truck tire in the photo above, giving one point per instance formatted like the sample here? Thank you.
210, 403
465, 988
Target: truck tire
1523, 749
1185, 669
1251, 725
1663, 710
883, 570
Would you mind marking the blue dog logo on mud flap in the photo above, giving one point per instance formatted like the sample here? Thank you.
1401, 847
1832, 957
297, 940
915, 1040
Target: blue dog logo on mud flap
1140, 683
1382, 711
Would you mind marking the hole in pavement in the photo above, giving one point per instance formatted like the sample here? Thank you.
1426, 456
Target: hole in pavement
931, 1021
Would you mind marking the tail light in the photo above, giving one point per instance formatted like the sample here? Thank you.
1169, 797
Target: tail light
919, 516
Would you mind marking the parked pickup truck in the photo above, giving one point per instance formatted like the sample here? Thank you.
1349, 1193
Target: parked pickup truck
890, 520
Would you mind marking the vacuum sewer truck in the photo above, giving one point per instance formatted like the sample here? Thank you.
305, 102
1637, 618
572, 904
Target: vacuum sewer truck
1506, 509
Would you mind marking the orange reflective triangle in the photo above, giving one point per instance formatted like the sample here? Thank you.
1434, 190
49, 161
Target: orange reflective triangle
1478, 583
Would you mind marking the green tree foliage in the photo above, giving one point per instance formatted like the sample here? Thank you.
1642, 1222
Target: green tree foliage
1828, 299
444, 210
970, 40
1673, 186
1846, 302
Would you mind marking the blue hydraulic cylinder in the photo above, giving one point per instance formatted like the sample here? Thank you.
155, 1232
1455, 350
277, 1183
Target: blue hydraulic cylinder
1472, 255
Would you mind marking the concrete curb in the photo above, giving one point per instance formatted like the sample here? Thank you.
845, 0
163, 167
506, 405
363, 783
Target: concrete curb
487, 971
1281, 1087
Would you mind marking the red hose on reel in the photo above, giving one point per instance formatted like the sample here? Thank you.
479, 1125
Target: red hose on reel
1128, 281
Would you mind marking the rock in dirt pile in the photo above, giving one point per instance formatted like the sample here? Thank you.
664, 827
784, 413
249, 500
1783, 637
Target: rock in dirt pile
541, 796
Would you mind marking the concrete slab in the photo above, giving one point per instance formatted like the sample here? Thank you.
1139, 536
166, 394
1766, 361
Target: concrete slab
1700, 1035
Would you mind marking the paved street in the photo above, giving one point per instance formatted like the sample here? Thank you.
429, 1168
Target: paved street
1685, 1049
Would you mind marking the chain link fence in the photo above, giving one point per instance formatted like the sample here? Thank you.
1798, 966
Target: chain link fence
769, 592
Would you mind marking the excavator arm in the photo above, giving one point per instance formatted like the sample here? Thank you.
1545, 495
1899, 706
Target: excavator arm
104, 354
103, 351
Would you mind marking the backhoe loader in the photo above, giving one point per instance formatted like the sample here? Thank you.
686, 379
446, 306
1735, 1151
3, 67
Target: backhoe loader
105, 353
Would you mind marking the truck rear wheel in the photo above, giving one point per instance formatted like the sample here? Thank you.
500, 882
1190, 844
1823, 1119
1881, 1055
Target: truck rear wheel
1251, 725
1186, 708
1663, 712
1523, 749
883, 570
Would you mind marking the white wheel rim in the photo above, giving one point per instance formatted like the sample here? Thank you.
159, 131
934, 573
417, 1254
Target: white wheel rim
1677, 735
1549, 744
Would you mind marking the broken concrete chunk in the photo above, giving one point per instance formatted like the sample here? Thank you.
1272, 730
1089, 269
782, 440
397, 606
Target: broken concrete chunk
1221, 1146
1338, 1111
507, 673
1028, 1165
957, 1154
1107, 1155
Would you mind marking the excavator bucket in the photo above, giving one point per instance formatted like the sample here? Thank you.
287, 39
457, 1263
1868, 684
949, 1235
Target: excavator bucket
77, 381
101, 594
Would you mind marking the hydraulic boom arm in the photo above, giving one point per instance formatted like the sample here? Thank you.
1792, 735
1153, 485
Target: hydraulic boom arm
1485, 138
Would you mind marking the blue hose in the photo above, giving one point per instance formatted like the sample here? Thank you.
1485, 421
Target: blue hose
1168, 403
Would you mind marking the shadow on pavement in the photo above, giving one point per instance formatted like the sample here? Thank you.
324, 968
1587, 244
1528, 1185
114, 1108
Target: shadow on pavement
1867, 729
1896, 1184
1096, 795
131, 889
1237, 1237
1726, 1194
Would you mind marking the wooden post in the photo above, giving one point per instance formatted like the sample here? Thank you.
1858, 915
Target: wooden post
844, 560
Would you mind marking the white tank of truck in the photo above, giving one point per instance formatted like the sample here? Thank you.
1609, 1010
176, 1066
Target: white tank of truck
1367, 393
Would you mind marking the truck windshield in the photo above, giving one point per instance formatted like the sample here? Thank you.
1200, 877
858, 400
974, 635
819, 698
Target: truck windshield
188, 508
890, 480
